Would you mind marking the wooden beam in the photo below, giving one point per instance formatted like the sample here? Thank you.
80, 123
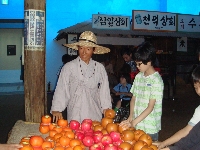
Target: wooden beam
34, 60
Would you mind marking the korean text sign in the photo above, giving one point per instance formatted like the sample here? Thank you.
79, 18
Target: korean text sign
110, 22
152, 20
34, 30
189, 23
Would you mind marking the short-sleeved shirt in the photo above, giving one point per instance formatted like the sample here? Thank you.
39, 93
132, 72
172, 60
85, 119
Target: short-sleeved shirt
196, 117
120, 88
144, 89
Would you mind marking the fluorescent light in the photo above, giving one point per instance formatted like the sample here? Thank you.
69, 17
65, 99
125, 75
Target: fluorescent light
4, 2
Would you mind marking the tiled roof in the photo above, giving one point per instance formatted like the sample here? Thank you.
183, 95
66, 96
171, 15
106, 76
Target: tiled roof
87, 26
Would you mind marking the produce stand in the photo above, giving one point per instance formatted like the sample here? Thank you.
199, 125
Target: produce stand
23, 129
85, 135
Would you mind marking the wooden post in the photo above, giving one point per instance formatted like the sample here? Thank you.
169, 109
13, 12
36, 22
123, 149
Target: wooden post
34, 60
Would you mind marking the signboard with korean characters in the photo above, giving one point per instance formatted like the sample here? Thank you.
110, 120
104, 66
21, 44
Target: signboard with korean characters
182, 44
152, 20
71, 39
100, 21
189, 23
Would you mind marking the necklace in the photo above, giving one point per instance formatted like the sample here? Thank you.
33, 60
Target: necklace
82, 70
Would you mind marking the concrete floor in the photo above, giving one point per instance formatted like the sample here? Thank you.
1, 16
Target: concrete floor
176, 113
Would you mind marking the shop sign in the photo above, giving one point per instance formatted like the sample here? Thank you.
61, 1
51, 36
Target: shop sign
152, 20
71, 39
100, 21
189, 23
34, 30
182, 44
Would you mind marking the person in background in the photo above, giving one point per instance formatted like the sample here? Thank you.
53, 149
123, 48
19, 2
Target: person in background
109, 69
108, 66
127, 56
122, 91
189, 141
10, 146
147, 90
83, 83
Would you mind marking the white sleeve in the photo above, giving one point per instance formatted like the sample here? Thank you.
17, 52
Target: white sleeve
61, 95
196, 117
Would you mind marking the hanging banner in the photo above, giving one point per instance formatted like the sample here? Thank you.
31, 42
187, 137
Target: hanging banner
189, 23
100, 21
34, 30
182, 44
152, 20
71, 39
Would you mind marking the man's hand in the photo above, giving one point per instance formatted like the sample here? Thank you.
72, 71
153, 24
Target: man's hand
56, 115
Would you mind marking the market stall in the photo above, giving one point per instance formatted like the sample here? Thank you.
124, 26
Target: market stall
74, 135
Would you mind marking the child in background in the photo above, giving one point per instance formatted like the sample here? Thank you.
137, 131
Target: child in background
189, 136
147, 90
123, 91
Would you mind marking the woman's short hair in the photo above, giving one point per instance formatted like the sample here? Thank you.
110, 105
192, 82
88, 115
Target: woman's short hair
145, 53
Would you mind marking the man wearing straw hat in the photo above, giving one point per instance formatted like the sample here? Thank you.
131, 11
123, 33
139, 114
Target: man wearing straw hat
83, 83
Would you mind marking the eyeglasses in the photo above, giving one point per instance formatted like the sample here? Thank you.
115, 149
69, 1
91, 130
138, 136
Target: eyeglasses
138, 64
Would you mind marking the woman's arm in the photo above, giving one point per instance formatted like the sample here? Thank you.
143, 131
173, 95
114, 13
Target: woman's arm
104, 91
61, 95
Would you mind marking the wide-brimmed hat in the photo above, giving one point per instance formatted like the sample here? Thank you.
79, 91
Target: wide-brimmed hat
88, 39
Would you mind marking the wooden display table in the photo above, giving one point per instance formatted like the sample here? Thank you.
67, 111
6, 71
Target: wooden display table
23, 129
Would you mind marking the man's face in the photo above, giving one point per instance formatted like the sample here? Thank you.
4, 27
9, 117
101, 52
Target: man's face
127, 58
85, 53
197, 88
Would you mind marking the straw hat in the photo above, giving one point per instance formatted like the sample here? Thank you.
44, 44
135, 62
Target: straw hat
88, 39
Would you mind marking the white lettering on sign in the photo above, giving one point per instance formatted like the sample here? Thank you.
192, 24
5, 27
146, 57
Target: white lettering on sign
110, 22
151, 20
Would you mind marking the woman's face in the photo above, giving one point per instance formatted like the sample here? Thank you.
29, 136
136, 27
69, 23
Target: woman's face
127, 58
85, 53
